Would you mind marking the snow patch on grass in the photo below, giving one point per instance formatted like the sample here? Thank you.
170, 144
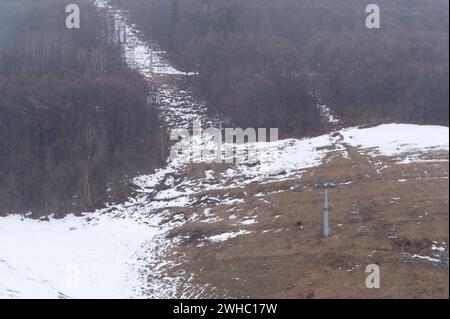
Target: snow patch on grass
227, 236
408, 141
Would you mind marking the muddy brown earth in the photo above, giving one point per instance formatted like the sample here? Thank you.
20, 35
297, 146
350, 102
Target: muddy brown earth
283, 254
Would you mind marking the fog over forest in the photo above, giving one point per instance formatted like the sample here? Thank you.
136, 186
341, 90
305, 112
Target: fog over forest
74, 120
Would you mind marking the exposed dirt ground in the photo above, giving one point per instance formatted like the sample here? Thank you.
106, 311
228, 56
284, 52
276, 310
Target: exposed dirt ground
284, 255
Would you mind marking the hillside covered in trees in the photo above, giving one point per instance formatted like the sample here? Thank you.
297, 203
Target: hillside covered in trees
74, 121
266, 62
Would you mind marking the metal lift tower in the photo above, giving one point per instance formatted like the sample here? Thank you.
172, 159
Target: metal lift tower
324, 185
326, 211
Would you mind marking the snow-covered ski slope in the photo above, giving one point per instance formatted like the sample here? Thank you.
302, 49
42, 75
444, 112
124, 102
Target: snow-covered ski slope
124, 251
119, 252
69, 257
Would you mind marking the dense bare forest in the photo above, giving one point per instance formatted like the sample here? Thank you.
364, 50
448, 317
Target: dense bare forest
74, 121
260, 60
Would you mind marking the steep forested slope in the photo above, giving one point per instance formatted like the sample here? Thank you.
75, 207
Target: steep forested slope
259, 60
73, 119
